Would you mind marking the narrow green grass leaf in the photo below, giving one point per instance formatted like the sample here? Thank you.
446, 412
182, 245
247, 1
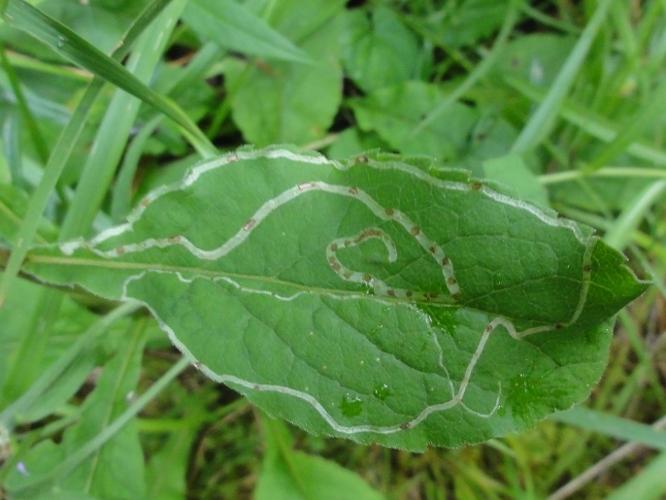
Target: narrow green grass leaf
619, 235
60, 38
11, 145
26, 113
121, 201
53, 371
233, 26
405, 309
613, 426
120, 460
543, 119
115, 128
609, 173
593, 125
62, 467
62, 151
121, 198
648, 484
646, 117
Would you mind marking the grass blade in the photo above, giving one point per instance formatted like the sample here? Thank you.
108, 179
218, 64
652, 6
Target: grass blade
116, 126
647, 117
613, 426
593, 125
56, 369
620, 233
63, 40
76, 457
541, 122
11, 139
609, 172
647, 484
122, 192
62, 151
233, 26
26, 114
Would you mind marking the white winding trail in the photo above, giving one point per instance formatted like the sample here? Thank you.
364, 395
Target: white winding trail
380, 287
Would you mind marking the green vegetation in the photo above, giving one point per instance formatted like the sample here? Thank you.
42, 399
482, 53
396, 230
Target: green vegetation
328, 249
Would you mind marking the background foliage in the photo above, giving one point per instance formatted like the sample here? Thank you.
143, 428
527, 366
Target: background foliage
562, 102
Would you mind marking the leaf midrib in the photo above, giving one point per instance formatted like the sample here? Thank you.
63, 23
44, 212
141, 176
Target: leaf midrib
140, 266
298, 287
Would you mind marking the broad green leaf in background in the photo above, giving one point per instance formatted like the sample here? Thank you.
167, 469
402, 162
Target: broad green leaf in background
118, 462
536, 58
287, 474
352, 141
18, 319
381, 52
275, 102
364, 299
469, 21
393, 112
512, 172
461, 132
233, 26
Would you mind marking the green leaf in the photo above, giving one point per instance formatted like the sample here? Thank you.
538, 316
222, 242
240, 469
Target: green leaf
64, 41
119, 461
298, 101
352, 141
535, 58
543, 119
470, 21
511, 171
287, 474
365, 299
19, 320
233, 26
166, 472
381, 52
460, 132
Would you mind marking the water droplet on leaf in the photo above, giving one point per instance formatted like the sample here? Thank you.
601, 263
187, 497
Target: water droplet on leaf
381, 392
351, 405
